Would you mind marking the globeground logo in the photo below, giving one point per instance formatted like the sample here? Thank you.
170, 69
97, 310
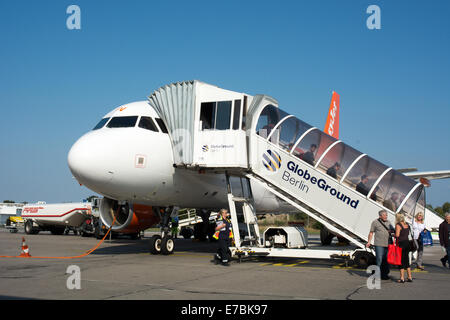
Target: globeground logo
271, 160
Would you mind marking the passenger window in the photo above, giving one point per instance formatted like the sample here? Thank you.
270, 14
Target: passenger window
323, 143
123, 122
420, 206
306, 149
338, 160
147, 123
208, 115
364, 174
237, 114
101, 124
414, 204
290, 131
312, 146
223, 115
392, 190
244, 113
215, 115
268, 119
161, 125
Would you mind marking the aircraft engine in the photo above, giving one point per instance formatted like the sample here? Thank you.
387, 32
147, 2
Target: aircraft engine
130, 217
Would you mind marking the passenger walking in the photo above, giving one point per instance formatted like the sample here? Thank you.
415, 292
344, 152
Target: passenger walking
332, 171
361, 187
444, 239
381, 230
419, 228
402, 232
309, 156
392, 202
224, 235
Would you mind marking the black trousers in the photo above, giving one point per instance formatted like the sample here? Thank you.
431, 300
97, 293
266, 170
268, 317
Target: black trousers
406, 248
222, 251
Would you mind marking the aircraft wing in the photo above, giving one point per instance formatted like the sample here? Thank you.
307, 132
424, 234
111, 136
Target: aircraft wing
429, 175
403, 170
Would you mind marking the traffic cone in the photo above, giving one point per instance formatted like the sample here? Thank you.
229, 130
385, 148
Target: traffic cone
25, 250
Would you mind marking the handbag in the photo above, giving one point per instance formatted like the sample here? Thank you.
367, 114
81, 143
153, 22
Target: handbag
394, 255
427, 240
413, 244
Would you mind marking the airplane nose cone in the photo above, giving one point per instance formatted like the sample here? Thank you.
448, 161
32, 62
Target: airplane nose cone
87, 162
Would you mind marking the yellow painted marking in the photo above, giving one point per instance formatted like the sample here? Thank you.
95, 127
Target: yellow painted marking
290, 265
344, 268
265, 264
419, 271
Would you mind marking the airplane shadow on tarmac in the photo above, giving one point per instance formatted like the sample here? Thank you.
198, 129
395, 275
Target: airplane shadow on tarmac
124, 246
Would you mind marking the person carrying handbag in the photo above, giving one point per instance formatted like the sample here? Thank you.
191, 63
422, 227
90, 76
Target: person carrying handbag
419, 228
402, 233
381, 230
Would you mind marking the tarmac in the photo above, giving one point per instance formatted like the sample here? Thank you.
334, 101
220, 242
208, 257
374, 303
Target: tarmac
123, 269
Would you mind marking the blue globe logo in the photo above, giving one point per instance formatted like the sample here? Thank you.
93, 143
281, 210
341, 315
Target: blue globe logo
271, 160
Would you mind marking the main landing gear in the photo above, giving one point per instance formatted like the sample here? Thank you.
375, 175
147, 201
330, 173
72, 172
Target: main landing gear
163, 243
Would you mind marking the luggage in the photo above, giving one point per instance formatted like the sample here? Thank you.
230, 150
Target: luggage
394, 254
427, 240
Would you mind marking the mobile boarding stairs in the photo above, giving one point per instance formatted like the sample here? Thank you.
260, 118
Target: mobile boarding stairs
252, 141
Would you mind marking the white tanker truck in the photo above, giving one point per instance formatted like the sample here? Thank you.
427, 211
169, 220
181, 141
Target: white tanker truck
55, 217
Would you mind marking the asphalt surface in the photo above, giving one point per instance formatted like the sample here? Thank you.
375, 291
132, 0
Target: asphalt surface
123, 269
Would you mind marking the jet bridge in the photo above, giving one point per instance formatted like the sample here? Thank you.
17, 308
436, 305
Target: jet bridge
251, 139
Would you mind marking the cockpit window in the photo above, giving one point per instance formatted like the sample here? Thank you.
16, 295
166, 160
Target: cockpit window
101, 124
122, 122
147, 123
161, 125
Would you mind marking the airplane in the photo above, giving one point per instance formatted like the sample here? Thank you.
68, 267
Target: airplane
131, 165
128, 158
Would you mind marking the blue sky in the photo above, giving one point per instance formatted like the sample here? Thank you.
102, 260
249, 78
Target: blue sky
55, 83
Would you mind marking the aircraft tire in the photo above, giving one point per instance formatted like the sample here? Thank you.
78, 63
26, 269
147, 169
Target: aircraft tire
167, 245
155, 244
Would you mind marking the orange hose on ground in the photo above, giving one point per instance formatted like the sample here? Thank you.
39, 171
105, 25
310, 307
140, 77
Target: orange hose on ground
75, 257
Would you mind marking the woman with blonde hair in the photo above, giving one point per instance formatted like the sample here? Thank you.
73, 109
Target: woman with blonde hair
402, 231
419, 227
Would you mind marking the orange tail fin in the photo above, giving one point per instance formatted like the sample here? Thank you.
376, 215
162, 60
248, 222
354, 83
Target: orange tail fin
332, 124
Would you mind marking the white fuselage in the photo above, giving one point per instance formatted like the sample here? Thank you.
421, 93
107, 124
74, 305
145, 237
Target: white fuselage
136, 164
